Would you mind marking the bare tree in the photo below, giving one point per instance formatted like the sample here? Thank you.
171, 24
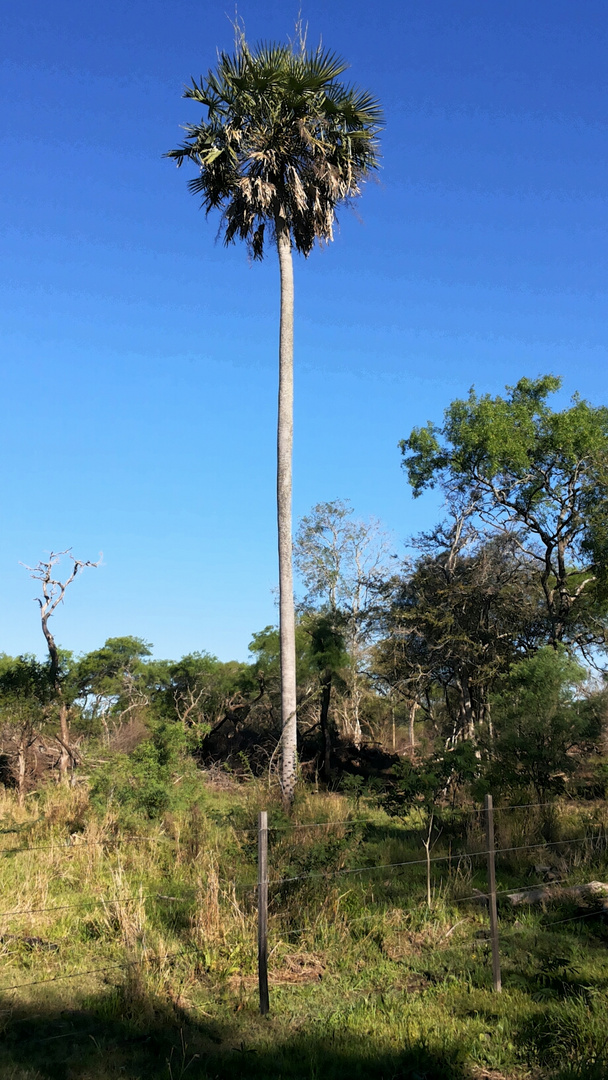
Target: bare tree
53, 593
340, 560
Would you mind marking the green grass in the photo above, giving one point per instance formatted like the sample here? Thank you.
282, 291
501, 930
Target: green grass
365, 980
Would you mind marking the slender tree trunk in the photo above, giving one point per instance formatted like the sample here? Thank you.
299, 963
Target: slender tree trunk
412, 717
21, 763
284, 485
325, 730
64, 729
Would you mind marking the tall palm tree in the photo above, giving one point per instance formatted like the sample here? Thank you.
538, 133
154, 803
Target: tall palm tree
283, 145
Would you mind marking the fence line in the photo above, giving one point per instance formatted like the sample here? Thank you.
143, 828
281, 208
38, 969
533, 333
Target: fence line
434, 858
574, 918
181, 900
489, 852
505, 892
374, 821
77, 845
252, 886
94, 903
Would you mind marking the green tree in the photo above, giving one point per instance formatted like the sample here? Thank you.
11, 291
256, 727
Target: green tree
26, 692
320, 660
202, 693
455, 621
542, 724
284, 143
111, 682
540, 476
329, 657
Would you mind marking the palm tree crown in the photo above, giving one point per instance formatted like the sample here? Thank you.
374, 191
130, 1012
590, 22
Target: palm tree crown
283, 144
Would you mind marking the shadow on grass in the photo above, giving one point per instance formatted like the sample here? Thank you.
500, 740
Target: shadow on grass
113, 1036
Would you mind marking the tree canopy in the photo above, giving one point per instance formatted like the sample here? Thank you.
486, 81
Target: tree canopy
283, 141
540, 475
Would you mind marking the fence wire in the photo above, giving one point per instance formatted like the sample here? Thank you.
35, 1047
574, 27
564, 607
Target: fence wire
125, 964
109, 901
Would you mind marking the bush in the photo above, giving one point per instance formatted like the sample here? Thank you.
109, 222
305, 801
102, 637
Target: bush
141, 780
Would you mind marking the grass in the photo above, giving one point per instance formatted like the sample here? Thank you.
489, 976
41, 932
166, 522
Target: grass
365, 980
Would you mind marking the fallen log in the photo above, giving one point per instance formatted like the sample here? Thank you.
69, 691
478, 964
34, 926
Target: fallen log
547, 894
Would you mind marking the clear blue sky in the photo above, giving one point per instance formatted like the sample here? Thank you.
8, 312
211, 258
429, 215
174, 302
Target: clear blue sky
139, 356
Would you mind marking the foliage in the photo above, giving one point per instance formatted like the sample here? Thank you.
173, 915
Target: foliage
283, 140
25, 677
540, 725
339, 559
327, 645
454, 621
264, 648
141, 781
430, 781
539, 475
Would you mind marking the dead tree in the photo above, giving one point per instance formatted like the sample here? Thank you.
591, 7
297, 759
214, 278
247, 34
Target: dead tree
53, 592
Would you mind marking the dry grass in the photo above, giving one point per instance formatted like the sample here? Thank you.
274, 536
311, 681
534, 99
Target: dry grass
170, 921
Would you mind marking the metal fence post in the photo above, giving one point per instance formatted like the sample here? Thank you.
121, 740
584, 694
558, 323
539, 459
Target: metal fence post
263, 911
489, 815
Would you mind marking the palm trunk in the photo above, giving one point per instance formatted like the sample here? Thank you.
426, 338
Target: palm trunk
284, 484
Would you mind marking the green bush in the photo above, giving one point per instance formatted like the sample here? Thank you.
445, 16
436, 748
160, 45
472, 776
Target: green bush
141, 781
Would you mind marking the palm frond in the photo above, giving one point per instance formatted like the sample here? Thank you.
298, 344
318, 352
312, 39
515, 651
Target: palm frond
283, 136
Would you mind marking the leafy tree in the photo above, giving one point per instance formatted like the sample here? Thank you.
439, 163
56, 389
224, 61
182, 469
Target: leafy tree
284, 143
110, 682
25, 677
329, 657
26, 692
320, 661
538, 475
541, 724
426, 783
202, 693
455, 621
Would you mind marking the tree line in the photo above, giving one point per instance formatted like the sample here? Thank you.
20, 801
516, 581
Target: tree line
476, 658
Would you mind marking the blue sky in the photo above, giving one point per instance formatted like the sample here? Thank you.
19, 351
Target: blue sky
139, 355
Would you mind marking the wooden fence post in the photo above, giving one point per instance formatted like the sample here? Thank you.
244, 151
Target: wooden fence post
263, 911
489, 809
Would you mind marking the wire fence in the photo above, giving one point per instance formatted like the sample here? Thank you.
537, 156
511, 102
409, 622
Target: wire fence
557, 886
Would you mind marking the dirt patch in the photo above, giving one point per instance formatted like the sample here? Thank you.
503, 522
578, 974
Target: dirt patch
301, 967
413, 983
480, 1073
294, 968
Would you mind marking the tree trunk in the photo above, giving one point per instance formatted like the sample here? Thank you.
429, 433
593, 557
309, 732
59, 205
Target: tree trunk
64, 728
21, 764
412, 717
284, 485
324, 720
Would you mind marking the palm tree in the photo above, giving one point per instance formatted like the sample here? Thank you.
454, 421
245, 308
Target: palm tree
283, 145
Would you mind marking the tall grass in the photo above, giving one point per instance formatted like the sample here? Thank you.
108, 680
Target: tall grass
366, 979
